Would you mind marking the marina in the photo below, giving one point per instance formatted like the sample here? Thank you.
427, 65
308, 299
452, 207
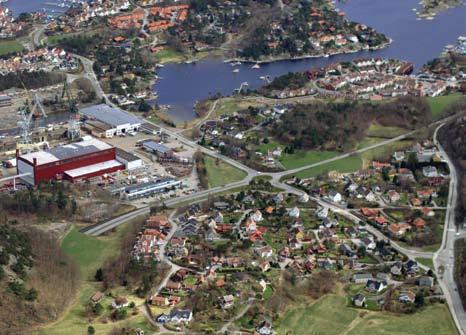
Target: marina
417, 41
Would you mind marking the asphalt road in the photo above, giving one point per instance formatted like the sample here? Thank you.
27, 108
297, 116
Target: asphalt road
444, 257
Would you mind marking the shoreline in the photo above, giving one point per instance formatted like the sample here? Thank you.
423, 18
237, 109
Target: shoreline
308, 56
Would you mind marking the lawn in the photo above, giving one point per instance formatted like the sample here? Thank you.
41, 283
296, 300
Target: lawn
435, 319
426, 261
348, 164
330, 315
168, 55
7, 47
438, 104
383, 152
303, 158
377, 130
90, 253
221, 173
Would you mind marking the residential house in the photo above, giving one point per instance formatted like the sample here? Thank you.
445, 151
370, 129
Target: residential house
257, 216
227, 301
419, 223
264, 328
96, 297
294, 212
334, 196
407, 297
120, 302
376, 286
362, 278
158, 300
398, 229
429, 171
368, 243
396, 269
181, 315
264, 252
359, 300
426, 281
393, 196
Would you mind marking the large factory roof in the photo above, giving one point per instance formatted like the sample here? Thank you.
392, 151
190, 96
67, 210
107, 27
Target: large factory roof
75, 149
86, 170
112, 116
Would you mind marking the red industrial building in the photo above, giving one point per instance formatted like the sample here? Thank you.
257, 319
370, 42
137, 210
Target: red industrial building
76, 161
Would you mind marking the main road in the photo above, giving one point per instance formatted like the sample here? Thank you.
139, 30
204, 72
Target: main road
444, 258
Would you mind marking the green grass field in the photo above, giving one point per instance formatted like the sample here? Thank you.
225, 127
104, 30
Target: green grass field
221, 173
90, 253
348, 164
377, 130
169, 56
438, 104
426, 261
7, 47
330, 316
302, 158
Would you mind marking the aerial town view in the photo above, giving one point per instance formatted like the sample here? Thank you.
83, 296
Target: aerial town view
285, 167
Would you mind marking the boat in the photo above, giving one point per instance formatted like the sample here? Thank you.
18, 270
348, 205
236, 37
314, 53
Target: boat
235, 70
235, 64
326, 55
256, 66
159, 65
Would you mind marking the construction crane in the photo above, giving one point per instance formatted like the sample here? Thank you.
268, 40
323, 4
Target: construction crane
74, 129
27, 112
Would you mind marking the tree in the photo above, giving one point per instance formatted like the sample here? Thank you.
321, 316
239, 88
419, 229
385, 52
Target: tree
362, 251
90, 330
99, 275
419, 300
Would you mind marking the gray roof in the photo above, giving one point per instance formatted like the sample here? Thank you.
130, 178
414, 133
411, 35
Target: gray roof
157, 147
127, 156
109, 115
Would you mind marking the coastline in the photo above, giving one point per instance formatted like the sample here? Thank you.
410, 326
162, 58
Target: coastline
307, 56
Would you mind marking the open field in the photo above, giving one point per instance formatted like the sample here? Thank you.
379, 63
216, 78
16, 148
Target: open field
220, 173
330, 315
377, 130
302, 158
426, 261
7, 47
348, 164
169, 56
383, 152
438, 104
90, 253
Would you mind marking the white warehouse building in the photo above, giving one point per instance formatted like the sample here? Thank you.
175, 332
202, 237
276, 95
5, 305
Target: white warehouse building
117, 121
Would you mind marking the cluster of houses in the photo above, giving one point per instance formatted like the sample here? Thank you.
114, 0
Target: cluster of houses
82, 14
228, 133
330, 32
40, 59
448, 68
372, 193
371, 78
153, 235
406, 277
10, 28
159, 18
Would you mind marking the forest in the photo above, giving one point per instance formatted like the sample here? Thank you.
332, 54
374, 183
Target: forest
32, 80
37, 280
340, 125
